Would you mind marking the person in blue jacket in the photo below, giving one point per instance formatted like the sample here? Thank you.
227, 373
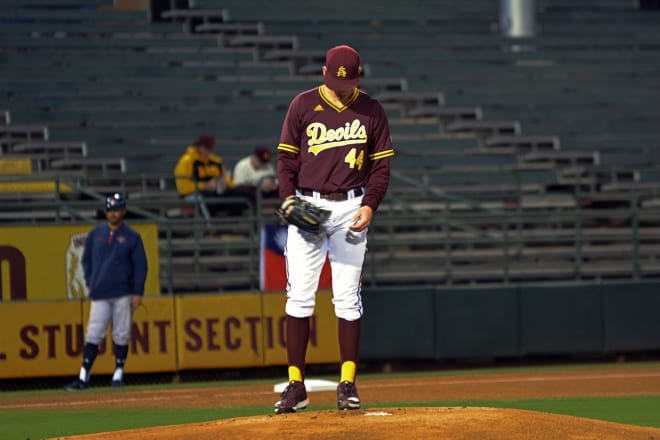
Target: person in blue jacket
115, 266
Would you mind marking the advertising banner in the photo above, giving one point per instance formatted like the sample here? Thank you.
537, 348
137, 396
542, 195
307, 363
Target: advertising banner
44, 262
46, 338
40, 338
169, 333
219, 331
242, 330
153, 340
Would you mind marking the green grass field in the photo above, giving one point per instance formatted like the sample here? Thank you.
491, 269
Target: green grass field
36, 424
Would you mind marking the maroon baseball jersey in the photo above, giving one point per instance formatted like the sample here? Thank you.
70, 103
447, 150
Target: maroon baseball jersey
327, 148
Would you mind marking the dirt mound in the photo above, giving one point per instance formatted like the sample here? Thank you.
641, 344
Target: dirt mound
396, 423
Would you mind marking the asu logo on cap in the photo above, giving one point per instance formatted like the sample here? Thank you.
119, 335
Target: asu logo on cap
343, 68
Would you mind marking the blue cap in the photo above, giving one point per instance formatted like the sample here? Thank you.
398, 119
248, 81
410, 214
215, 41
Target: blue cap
115, 202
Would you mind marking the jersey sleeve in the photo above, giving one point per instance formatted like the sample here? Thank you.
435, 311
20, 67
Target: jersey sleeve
379, 156
382, 142
288, 151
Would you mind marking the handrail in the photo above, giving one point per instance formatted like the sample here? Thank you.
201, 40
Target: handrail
439, 193
101, 198
503, 243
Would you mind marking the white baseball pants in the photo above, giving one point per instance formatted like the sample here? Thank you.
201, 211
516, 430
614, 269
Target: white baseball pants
306, 253
119, 311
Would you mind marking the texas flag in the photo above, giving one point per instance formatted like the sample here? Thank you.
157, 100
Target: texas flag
272, 268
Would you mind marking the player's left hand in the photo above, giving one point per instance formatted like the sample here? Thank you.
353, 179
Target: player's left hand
302, 214
137, 300
362, 219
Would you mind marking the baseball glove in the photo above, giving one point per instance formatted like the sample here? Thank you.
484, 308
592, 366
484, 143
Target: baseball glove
302, 214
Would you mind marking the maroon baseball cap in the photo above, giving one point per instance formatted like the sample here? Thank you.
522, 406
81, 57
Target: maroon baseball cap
205, 140
343, 68
263, 154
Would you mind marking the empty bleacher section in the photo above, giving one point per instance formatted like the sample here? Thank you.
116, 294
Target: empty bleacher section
524, 159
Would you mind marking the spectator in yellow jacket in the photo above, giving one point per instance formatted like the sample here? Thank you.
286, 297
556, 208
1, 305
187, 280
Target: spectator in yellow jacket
200, 174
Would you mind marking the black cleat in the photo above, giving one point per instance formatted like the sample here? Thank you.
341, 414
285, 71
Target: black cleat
347, 396
293, 398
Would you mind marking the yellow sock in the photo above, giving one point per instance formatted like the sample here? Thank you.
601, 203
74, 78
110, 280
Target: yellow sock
348, 371
295, 374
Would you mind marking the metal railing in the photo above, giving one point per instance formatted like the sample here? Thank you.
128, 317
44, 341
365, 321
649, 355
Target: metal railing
420, 235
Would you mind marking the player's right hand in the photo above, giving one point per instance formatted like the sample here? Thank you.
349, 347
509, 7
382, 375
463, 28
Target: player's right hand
362, 219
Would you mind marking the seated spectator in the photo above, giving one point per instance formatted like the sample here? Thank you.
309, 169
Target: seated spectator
256, 171
200, 174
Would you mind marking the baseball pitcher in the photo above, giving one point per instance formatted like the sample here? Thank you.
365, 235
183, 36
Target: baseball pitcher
333, 154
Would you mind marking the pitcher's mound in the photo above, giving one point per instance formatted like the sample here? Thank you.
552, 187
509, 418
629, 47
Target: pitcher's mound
397, 423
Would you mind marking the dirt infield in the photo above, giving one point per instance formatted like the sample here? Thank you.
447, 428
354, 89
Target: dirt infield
374, 421
395, 424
